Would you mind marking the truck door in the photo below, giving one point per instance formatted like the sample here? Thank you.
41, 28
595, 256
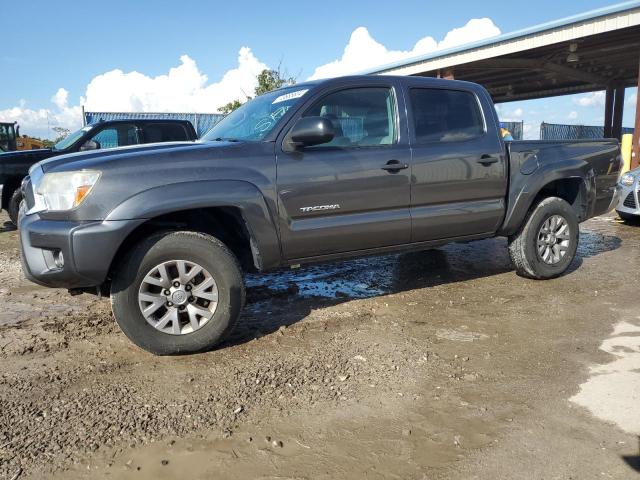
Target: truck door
459, 165
346, 195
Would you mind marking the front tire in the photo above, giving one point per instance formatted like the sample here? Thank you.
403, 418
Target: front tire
628, 217
547, 241
177, 292
14, 206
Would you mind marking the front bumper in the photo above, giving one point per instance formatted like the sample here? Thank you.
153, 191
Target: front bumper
629, 199
87, 250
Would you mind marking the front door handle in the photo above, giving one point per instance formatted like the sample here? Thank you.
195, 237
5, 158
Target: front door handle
487, 160
394, 166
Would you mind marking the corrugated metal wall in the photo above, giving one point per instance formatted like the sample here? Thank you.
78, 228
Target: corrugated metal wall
202, 122
554, 131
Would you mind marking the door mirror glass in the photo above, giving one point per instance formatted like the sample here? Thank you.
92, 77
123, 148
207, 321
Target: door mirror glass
309, 131
90, 145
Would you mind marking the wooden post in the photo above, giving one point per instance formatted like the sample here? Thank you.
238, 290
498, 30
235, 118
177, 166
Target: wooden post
618, 108
635, 155
608, 112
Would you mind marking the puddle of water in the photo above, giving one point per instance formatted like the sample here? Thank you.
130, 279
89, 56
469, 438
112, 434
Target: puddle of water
612, 393
360, 278
374, 276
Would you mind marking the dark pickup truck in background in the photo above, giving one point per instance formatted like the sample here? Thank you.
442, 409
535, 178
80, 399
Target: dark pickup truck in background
318, 171
14, 166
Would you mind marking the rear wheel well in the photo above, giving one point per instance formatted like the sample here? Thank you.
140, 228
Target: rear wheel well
224, 223
571, 190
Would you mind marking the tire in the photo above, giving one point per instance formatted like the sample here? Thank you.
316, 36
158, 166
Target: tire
130, 287
628, 217
524, 246
14, 206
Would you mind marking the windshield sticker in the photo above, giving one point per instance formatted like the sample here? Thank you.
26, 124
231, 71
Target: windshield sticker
290, 96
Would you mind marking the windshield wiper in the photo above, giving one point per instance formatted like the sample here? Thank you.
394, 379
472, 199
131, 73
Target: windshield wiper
221, 139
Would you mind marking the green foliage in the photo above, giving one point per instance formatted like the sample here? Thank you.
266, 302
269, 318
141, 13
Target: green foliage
230, 107
61, 133
268, 80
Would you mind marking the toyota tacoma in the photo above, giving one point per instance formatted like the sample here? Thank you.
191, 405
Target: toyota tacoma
318, 171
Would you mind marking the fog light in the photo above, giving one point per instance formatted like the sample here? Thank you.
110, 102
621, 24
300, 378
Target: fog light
58, 258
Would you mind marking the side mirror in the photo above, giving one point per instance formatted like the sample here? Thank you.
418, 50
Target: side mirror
90, 145
310, 131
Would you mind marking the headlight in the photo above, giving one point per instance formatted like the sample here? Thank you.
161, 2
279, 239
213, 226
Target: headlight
627, 179
66, 190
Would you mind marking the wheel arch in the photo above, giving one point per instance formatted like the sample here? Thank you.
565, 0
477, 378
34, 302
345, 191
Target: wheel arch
235, 212
575, 188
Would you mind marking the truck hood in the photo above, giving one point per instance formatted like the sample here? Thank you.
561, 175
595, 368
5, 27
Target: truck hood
91, 159
26, 155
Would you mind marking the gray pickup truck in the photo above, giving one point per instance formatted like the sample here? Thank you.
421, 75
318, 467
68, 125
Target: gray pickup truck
318, 171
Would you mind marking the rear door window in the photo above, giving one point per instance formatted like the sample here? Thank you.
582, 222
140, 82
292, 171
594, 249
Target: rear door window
441, 115
117, 136
165, 132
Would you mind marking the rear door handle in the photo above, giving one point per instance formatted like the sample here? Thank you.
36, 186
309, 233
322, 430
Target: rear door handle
487, 160
394, 166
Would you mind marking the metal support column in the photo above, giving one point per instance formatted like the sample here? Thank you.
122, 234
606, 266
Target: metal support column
618, 109
635, 156
608, 112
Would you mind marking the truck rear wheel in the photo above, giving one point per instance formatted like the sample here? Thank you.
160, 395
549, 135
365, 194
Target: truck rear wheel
547, 241
177, 292
14, 206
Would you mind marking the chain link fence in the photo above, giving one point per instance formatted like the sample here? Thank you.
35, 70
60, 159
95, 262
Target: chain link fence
555, 131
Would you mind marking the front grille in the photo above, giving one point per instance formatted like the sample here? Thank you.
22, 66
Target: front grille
630, 201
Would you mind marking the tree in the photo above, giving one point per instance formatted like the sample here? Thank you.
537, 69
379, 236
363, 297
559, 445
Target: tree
230, 107
268, 80
61, 133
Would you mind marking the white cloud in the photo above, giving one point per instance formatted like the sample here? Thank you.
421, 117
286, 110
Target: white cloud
183, 89
572, 115
510, 115
593, 99
363, 51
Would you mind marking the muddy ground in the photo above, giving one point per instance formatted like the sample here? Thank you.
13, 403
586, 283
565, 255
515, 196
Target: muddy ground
435, 365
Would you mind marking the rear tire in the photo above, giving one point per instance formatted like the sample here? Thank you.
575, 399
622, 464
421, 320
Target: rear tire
14, 206
628, 217
134, 280
547, 241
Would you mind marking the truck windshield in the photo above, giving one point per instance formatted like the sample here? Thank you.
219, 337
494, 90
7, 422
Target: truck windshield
256, 118
70, 139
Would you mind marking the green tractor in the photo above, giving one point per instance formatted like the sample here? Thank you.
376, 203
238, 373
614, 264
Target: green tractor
8, 135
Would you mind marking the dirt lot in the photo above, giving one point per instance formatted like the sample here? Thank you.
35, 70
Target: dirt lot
441, 365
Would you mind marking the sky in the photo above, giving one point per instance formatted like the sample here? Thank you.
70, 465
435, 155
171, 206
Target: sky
195, 56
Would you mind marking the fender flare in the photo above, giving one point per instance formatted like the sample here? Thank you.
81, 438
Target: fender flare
245, 196
526, 189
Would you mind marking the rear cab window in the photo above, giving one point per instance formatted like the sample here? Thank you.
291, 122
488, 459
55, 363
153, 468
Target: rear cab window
165, 132
442, 115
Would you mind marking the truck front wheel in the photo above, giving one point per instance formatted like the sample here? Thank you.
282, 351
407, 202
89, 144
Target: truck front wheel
547, 241
177, 292
14, 206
